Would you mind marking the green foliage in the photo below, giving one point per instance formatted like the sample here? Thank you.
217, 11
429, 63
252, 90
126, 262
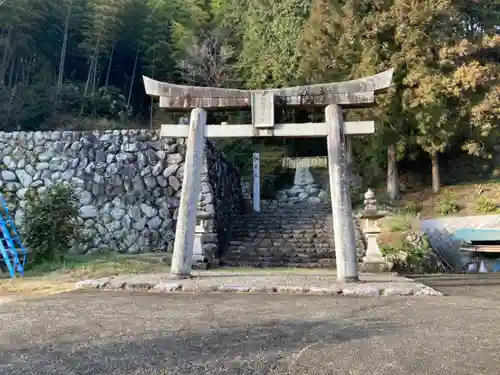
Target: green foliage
50, 222
105, 102
86, 58
486, 206
357, 195
413, 208
448, 205
239, 152
409, 257
400, 223
272, 29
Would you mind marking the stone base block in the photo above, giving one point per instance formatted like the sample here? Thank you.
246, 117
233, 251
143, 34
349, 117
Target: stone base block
200, 266
375, 267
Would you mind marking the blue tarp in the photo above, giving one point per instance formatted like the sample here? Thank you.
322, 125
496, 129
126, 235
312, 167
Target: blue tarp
471, 235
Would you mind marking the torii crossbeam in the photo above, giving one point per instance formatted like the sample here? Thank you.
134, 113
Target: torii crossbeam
353, 94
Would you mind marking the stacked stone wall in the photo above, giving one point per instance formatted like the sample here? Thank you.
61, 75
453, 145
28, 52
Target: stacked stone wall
128, 183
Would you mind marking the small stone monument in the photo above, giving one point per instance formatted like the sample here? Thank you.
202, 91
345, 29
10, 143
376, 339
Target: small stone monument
373, 261
198, 253
304, 188
303, 176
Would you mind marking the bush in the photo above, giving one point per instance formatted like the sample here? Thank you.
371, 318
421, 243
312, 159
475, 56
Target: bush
448, 206
413, 208
411, 257
239, 153
357, 195
106, 102
50, 222
486, 206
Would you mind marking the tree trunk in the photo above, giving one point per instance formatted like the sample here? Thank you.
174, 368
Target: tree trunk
62, 60
133, 79
97, 50
5, 59
109, 65
11, 81
93, 61
436, 181
392, 173
87, 83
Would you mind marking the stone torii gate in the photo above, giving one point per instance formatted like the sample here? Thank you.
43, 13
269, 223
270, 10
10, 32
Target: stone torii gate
354, 94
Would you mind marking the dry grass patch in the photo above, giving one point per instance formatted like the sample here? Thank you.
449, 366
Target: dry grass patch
400, 223
56, 277
467, 198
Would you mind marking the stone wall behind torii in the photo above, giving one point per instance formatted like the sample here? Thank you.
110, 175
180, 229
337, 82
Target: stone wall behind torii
128, 183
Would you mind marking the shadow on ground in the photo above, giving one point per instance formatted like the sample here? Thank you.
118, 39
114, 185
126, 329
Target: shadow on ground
225, 350
478, 285
105, 333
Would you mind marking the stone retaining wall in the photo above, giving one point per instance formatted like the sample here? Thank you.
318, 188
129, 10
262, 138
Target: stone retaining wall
129, 185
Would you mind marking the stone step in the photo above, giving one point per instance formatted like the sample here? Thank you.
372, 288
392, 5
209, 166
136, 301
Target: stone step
307, 251
317, 234
309, 225
287, 224
266, 264
316, 253
292, 225
295, 256
292, 210
285, 215
312, 210
249, 245
280, 259
264, 244
298, 235
285, 218
283, 233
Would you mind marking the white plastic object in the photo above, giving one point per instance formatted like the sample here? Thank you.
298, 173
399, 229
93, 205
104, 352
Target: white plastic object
472, 267
483, 268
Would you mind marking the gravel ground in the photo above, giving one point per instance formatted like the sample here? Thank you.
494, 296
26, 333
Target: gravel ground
295, 281
128, 333
475, 285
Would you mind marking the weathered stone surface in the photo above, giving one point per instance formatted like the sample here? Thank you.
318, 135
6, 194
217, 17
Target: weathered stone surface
363, 290
170, 170
305, 281
24, 177
85, 198
88, 212
285, 234
355, 92
127, 181
8, 176
162, 287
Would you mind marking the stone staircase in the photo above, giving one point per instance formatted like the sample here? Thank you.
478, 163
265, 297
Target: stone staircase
293, 235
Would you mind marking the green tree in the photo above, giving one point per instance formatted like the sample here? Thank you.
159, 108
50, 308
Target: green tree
272, 29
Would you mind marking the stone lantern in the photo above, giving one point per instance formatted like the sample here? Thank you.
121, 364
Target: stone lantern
373, 260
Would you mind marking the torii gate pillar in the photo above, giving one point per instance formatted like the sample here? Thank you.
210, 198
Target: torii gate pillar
343, 223
356, 93
191, 186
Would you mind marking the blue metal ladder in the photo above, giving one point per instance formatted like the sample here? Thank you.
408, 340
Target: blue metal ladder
10, 242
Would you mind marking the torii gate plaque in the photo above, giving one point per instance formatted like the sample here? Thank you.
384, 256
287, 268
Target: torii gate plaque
355, 93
